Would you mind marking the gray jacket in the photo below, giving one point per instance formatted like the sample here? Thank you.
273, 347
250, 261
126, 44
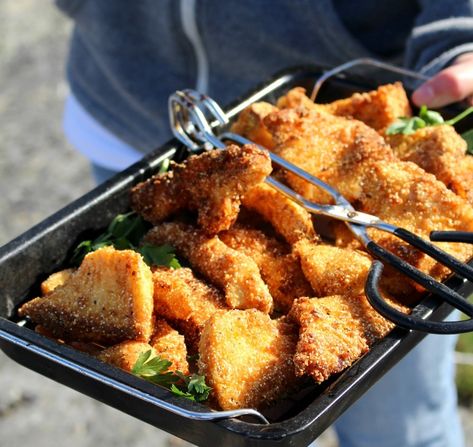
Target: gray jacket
126, 57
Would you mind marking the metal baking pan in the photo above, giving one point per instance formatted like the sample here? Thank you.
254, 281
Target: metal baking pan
298, 420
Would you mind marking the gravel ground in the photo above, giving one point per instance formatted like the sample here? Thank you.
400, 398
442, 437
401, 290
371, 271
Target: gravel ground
40, 173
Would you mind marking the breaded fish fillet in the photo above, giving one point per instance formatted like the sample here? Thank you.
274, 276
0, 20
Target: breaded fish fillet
234, 272
334, 149
289, 219
354, 159
211, 183
108, 299
185, 300
170, 345
279, 268
334, 332
333, 270
54, 280
247, 358
378, 108
441, 151
250, 124
125, 354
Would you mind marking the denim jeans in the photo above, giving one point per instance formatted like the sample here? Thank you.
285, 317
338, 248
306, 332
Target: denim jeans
413, 405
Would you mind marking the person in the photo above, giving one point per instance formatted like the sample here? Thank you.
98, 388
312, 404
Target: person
127, 57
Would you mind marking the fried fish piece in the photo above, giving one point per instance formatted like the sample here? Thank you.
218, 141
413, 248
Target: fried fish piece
352, 158
249, 124
279, 268
334, 149
54, 280
125, 354
289, 219
247, 358
169, 344
334, 332
211, 183
378, 108
186, 301
441, 151
108, 299
234, 272
404, 195
333, 270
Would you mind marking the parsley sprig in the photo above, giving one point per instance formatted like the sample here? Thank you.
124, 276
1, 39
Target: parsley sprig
125, 232
408, 125
156, 370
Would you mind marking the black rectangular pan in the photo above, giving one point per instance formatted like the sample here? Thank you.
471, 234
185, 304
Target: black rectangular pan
31, 257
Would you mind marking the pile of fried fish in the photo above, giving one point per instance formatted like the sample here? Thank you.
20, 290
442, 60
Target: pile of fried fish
269, 296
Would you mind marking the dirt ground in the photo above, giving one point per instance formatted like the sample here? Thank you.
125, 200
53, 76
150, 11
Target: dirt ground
39, 174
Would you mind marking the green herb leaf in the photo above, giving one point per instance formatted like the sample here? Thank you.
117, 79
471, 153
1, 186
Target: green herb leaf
164, 166
160, 255
155, 370
430, 117
198, 388
468, 137
124, 232
426, 118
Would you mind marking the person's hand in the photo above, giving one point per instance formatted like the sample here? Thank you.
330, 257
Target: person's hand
450, 85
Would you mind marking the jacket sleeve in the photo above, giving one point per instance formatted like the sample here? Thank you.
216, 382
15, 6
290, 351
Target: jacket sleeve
443, 30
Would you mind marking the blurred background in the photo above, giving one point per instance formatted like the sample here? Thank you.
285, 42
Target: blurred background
39, 174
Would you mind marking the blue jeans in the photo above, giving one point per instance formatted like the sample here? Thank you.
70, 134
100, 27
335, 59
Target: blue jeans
413, 405
101, 174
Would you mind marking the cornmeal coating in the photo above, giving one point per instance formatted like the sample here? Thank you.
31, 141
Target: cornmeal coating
288, 218
334, 332
353, 159
247, 358
54, 280
125, 354
249, 124
186, 301
279, 268
211, 183
234, 272
378, 108
441, 151
334, 149
170, 345
333, 270
108, 299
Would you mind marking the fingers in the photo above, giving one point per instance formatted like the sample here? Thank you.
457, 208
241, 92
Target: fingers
450, 85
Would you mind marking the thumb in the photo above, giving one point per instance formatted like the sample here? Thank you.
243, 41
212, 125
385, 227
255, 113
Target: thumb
453, 84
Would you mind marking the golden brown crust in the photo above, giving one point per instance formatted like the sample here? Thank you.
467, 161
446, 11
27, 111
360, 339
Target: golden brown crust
170, 345
334, 332
247, 358
378, 108
354, 159
289, 219
234, 272
125, 354
279, 269
107, 300
55, 280
334, 149
186, 301
333, 270
441, 151
211, 183
249, 124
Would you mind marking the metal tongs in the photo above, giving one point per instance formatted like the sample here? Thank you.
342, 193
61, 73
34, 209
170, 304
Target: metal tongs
188, 110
